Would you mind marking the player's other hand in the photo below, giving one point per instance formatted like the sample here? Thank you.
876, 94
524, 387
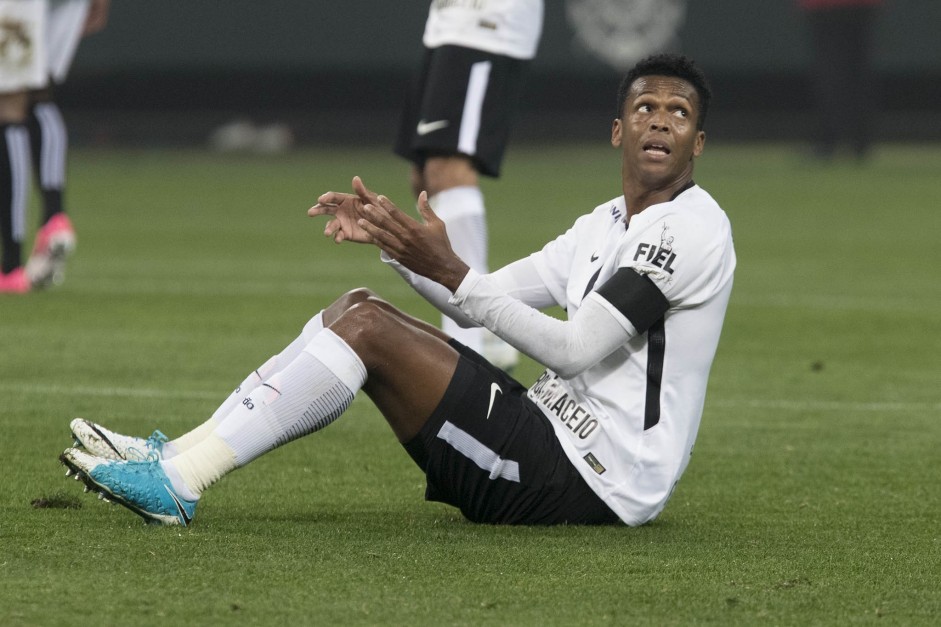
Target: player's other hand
345, 210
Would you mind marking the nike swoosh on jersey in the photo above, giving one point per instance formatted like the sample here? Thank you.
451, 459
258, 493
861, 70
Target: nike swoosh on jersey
494, 390
594, 257
430, 127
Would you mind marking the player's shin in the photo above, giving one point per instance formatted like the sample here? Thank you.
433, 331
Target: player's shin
307, 395
462, 210
252, 381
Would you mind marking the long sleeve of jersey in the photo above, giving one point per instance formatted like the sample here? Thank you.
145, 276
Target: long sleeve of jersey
567, 347
518, 280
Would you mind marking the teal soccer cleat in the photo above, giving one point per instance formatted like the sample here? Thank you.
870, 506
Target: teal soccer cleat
107, 444
141, 486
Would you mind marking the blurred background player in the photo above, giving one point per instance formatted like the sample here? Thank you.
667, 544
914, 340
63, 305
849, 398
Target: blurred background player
457, 121
842, 36
68, 21
22, 68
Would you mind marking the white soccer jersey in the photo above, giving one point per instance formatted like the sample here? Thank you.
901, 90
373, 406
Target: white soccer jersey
629, 422
23, 39
506, 27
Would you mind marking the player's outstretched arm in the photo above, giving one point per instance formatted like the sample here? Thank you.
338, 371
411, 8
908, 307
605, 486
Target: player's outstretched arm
422, 247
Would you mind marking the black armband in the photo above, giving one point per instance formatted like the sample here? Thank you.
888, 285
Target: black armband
636, 297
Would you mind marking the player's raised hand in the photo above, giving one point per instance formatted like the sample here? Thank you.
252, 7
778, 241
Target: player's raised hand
422, 247
346, 210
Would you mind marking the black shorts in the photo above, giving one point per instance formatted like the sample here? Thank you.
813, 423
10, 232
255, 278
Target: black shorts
489, 451
463, 103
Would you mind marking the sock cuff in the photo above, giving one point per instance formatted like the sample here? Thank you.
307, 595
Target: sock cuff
313, 327
336, 355
458, 202
200, 467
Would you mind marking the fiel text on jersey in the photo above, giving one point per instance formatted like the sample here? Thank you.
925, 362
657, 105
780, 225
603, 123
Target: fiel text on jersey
659, 256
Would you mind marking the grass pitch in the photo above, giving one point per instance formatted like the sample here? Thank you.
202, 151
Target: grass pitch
811, 498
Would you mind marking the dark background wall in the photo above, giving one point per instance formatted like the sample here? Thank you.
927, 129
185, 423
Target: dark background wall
335, 71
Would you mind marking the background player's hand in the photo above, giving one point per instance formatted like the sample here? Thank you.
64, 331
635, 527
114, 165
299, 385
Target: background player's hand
422, 247
97, 17
346, 210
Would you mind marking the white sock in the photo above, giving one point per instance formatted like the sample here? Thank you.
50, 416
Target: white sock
252, 381
463, 212
307, 395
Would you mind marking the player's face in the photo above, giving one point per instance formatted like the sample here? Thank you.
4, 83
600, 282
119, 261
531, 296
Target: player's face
657, 131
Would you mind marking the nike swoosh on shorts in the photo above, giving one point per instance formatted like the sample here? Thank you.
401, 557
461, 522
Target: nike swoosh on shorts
430, 127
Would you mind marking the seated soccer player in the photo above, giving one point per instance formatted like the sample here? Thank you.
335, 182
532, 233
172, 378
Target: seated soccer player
601, 437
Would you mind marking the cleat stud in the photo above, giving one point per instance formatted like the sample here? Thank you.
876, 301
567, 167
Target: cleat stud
68, 472
85, 488
78, 476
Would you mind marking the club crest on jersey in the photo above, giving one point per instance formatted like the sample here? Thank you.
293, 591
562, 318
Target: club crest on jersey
662, 255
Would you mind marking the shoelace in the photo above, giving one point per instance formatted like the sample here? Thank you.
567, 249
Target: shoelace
156, 441
153, 445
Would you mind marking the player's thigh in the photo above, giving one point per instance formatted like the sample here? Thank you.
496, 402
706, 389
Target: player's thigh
489, 451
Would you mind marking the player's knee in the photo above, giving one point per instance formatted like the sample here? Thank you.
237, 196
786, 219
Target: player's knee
441, 173
365, 325
345, 302
416, 180
350, 299
13, 107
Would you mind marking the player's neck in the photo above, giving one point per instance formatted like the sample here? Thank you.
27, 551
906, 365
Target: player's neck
638, 197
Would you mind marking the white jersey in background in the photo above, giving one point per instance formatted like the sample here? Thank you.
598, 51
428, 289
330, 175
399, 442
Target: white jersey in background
505, 27
23, 61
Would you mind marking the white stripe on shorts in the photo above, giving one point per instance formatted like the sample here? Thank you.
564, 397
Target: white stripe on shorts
473, 107
474, 450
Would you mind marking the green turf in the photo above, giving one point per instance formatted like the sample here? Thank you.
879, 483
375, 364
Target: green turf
811, 498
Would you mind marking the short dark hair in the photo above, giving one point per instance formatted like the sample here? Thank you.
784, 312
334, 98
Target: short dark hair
669, 65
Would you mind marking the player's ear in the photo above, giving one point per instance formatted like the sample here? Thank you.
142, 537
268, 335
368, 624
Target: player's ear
700, 143
616, 133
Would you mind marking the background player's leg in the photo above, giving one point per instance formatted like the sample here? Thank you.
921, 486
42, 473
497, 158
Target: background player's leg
50, 145
14, 190
454, 194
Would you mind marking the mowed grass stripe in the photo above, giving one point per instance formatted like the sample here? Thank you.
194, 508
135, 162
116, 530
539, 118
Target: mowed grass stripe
11, 389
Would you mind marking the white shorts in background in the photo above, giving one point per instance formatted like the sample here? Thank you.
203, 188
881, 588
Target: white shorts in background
23, 61
65, 25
